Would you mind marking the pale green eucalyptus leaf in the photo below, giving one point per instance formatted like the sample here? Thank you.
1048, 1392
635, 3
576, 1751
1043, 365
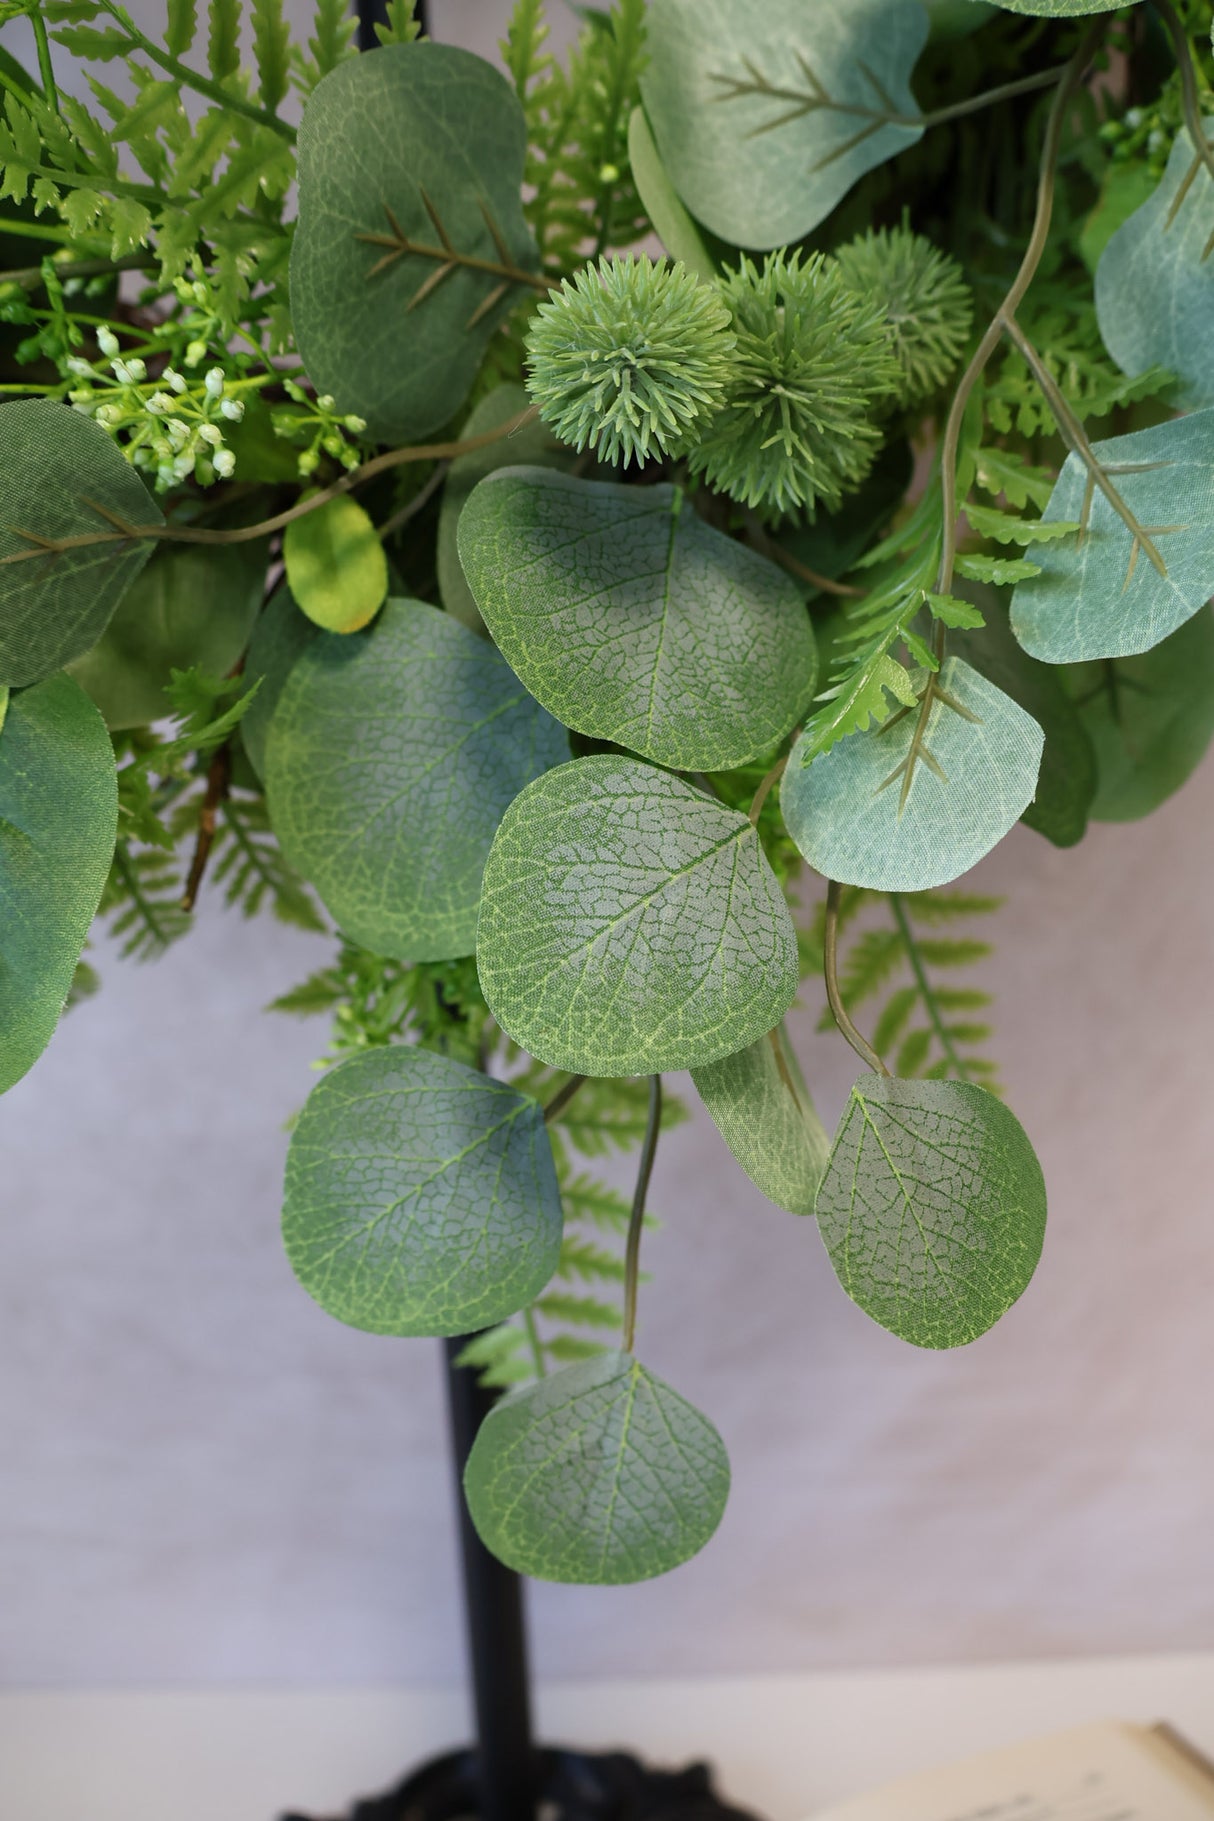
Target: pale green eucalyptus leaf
281, 635
672, 224
1059, 9
762, 1108
1150, 719
58, 819
600, 1474
387, 143
1155, 280
974, 776
633, 621
764, 117
932, 1208
1099, 593
630, 924
335, 564
531, 445
421, 1196
390, 758
63, 477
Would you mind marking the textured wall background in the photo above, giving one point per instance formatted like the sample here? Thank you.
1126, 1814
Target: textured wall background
205, 1480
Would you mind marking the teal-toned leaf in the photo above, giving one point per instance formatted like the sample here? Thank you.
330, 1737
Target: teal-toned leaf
932, 1208
390, 758
63, 478
192, 605
281, 635
532, 444
1150, 719
58, 817
1100, 593
672, 224
883, 811
336, 567
1155, 280
633, 621
410, 166
630, 924
421, 1196
599, 1473
1059, 9
761, 1106
766, 116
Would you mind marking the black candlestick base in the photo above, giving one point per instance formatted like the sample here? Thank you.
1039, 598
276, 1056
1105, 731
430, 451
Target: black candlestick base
574, 1786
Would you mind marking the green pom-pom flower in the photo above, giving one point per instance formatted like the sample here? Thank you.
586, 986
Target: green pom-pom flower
812, 365
926, 301
629, 358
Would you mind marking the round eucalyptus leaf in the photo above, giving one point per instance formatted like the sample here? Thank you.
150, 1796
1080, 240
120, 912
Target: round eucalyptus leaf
281, 635
58, 819
410, 166
762, 1108
1150, 719
390, 758
1155, 280
1099, 594
63, 477
932, 1208
532, 444
765, 116
599, 1473
1059, 9
191, 605
973, 777
672, 224
421, 1196
633, 621
630, 924
336, 567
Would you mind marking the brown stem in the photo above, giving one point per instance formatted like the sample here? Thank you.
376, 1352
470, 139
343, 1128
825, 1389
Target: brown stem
219, 776
632, 1253
560, 1100
830, 950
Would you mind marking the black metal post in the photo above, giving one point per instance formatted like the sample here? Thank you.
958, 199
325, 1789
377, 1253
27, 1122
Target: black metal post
497, 1639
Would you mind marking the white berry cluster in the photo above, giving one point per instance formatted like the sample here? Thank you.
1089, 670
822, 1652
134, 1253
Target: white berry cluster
171, 427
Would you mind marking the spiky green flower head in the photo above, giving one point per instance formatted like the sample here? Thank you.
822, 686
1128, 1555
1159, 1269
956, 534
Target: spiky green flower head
629, 358
926, 301
812, 367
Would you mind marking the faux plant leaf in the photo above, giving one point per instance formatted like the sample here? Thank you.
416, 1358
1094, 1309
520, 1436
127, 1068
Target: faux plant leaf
1101, 593
336, 567
190, 606
630, 924
633, 621
58, 817
932, 1208
761, 1106
599, 1473
765, 117
421, 1196
390, 758
1150, 718
533, 445
1060, 9
672, 224
880, 811
280, 636
1155, 280
64, 477
411, 245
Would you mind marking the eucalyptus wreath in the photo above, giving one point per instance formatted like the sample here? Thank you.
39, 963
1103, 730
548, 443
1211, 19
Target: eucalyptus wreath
777, 440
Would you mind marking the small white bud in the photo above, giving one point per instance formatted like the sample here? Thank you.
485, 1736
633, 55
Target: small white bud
233, 409
196, 351
214, 382
107, 341
308, 463
211, 433
225, 462
80, 368
160, 404
179, 432
174, 380
324, 402
355, 424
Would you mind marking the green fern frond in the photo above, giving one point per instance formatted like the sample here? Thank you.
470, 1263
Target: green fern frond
249, 864
586, 1199
578, 1311
333, 29
496, 1356
582, 1261
142, 902
272, 50
567, 1349
223, 39
181, 26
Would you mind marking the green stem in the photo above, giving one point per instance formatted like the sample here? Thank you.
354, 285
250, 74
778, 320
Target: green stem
193, 79
560, 1100
1190, 99
830, 955
30, 277
766, 787
535, 1343
45, 67
1025, 85
925, 987
632, 1253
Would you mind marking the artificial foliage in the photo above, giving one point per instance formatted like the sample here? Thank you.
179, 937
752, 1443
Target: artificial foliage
528, 520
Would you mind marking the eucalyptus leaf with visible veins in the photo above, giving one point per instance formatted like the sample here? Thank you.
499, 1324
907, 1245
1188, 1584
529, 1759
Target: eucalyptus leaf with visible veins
599, 1473
58, 819
63, 477
974, 776
633, 621
336, 567
932, 1208
765, 117
630, 924
390, 758
281, 635
1099, 593
1060, 9
1155, 280
762, 1108
396, 152
421, 1196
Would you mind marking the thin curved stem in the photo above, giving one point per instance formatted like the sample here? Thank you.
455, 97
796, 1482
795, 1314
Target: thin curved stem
45, 67
767, 786
30, 277
925, 986
560, 1100
1008, 91
1190, 99
632, 1254
830, 950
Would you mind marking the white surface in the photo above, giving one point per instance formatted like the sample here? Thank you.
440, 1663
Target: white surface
782, 1746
